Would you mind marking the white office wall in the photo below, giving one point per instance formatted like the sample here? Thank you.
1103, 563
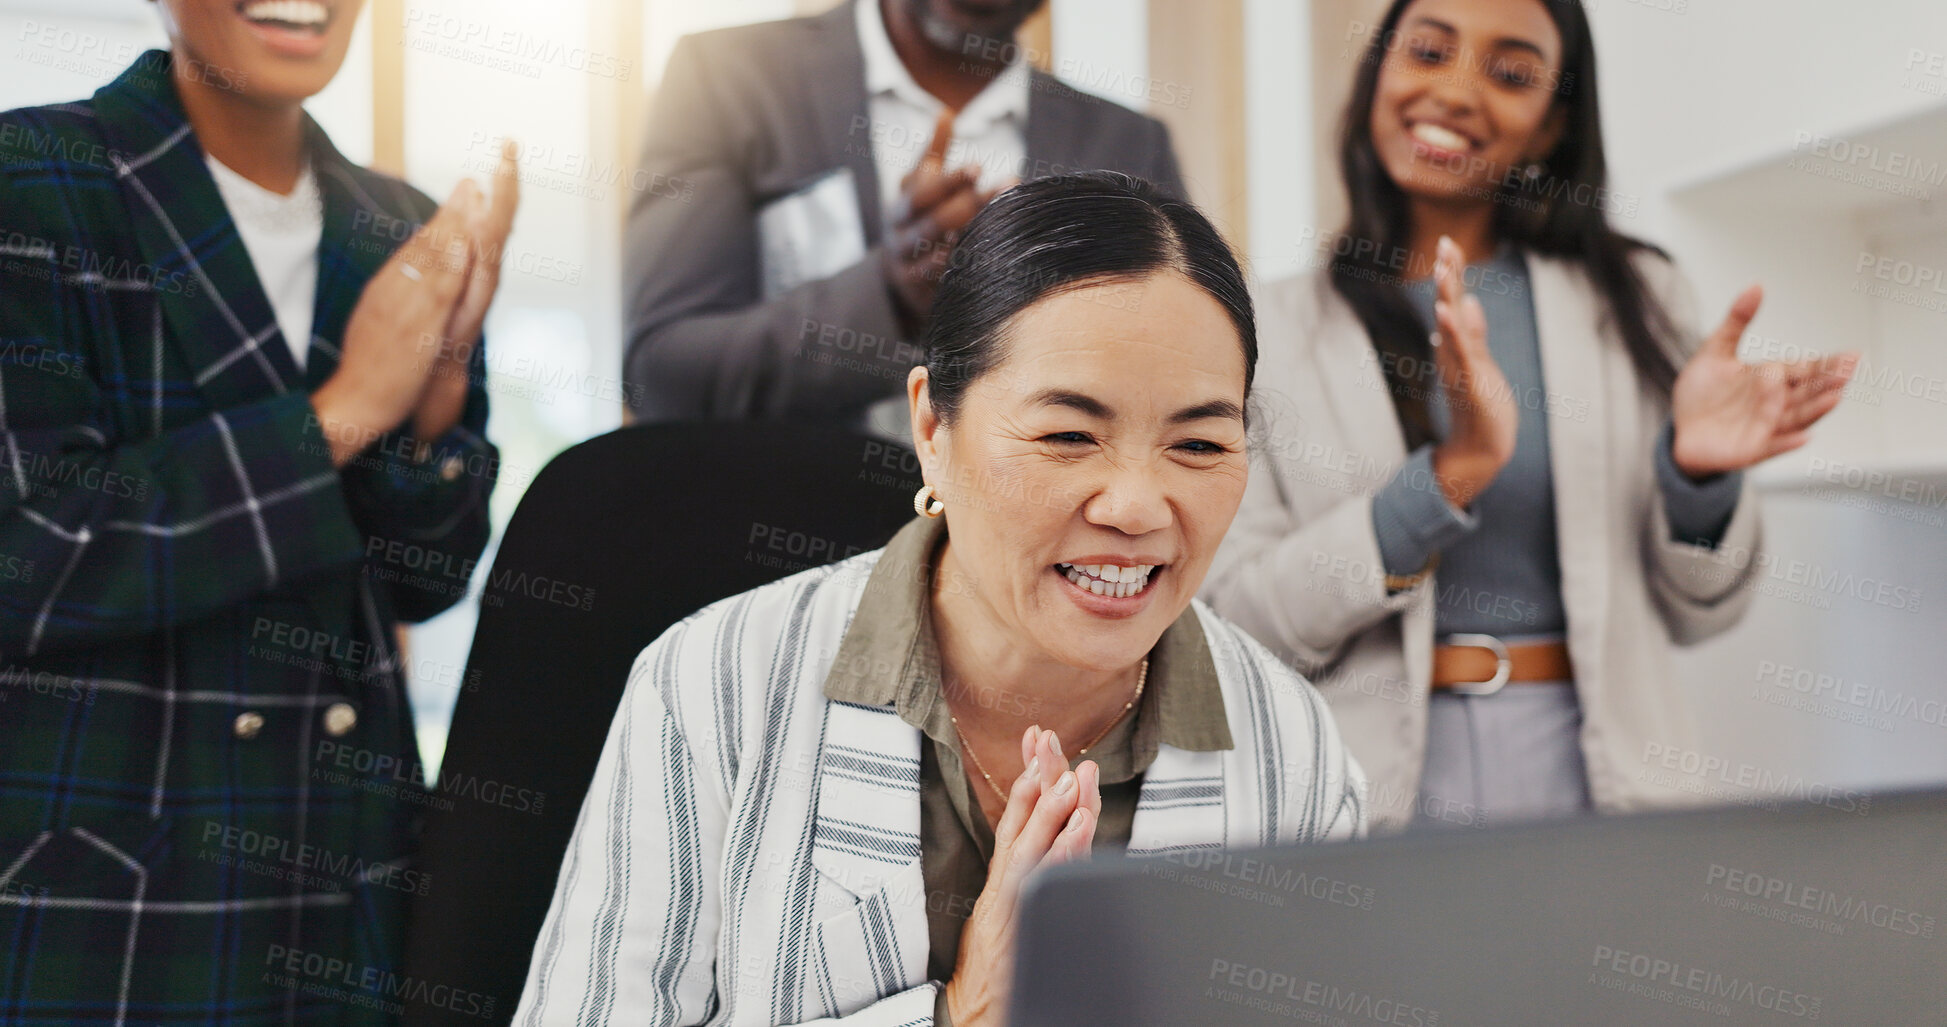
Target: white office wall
49, 54
1102, 47
1280, 124
1716, 81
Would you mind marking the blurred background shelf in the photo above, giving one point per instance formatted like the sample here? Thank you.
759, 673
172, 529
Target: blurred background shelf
1903, 158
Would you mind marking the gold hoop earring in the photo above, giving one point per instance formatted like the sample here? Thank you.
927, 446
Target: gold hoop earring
926, 502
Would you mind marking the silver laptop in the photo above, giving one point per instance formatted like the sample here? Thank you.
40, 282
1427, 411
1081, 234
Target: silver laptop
1795, 915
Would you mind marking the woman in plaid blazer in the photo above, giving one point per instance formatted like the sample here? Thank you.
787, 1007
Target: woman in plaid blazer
208, 781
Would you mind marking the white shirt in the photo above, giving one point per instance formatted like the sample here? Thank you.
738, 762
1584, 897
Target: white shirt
281, 233
990, 131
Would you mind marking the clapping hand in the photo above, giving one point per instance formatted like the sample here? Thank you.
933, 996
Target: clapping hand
408, 341
934, 206
1482, 416
489, 220
1730, 415
1050, 819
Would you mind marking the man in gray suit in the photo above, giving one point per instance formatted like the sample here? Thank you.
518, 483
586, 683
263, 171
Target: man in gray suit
811, 177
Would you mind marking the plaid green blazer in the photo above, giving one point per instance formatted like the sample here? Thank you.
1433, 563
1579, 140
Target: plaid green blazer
209, 788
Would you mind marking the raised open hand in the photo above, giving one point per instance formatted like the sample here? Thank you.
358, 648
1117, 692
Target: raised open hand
1730, 415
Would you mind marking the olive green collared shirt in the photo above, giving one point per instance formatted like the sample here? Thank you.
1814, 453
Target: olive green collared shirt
889, 657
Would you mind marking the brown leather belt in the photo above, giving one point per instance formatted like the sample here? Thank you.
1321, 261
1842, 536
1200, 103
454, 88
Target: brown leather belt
1481, 664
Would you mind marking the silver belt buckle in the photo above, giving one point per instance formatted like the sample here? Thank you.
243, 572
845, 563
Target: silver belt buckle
1503, 664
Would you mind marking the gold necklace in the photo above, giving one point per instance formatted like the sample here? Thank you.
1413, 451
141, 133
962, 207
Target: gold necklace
966, 746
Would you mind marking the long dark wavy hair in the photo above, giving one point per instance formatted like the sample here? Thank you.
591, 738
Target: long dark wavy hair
1560, 220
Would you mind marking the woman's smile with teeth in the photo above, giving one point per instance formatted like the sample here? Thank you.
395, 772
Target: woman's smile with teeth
1108, 579
1442, 138
297, 13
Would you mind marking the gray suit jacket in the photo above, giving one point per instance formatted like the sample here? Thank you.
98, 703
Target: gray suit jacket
750, 114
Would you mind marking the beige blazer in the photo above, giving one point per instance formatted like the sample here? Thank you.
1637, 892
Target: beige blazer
1301, 568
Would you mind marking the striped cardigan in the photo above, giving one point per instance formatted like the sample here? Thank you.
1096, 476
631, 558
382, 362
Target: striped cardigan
749, 852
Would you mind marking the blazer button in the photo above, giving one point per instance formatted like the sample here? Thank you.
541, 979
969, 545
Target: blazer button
451, 468
339, 718
248, 724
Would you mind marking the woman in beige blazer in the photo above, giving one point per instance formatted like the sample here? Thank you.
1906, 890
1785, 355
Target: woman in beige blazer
1481, 544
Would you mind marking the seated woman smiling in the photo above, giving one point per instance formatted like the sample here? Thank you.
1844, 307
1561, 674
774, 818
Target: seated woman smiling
819, 799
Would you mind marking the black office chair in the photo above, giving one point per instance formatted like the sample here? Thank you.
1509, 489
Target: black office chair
642, 526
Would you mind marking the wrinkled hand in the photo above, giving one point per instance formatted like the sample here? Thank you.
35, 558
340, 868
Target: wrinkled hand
1730, 415
1050, 819
1482, 417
